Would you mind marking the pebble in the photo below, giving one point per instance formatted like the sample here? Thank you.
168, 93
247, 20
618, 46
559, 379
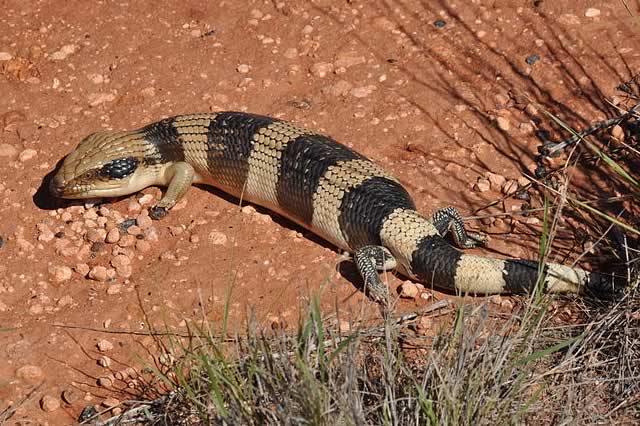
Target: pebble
116, 288
348, 59
27, 154
104, 345
46, 235
120, 261
98, 273
321, 69
568, 19
510, 187
65, 301
617, 132
144, 221
532, 59
122, 264
496, 180
592, 12
531, 110
507, 304
482, 185
123, 375
113, 236
96, 235
7, 150
151, 234
82, 269
503, 123
29, 372
176, 230
134, 206
439, 23
5, 56
143, 246
217, 238
243, 68
127, 241
104, 361
49, 403
90, 214
248, 210
70, 396
96, 99
105, 381
60, 273
409, 290
146, 199
134, 230
526, 128
340, 88
362, 92
64, 52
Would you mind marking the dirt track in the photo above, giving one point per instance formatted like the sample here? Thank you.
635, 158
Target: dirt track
421, 98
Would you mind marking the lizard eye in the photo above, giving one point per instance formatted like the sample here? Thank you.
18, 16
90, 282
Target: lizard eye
120, 168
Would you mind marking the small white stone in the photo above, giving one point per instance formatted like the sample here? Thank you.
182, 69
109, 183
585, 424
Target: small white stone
321, 69
63, 53
49, 403
362, 92
5, 56
617, 132
104, 345
217, 238
96, 99
146, 199
409, 290
29, 373
27, 154
503, 123
496, 180
510, 187
113, 236
60, 273
243, 68
482, 185
592, 12
98, 273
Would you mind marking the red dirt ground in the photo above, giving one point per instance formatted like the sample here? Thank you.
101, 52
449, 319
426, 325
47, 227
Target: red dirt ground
421, 100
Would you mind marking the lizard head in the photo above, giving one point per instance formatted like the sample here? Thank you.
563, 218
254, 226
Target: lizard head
104, 164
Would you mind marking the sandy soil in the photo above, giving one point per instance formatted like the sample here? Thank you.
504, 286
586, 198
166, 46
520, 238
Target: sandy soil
435, 91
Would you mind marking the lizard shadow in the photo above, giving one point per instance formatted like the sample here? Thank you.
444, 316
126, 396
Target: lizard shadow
42, 198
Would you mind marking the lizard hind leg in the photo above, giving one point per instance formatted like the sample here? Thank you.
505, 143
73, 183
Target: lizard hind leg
447, 220
369, 260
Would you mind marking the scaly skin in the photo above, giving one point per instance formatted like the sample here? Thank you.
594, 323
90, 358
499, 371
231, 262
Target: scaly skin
316, 182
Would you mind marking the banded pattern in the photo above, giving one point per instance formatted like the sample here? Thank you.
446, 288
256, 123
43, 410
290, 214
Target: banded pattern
332, 190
